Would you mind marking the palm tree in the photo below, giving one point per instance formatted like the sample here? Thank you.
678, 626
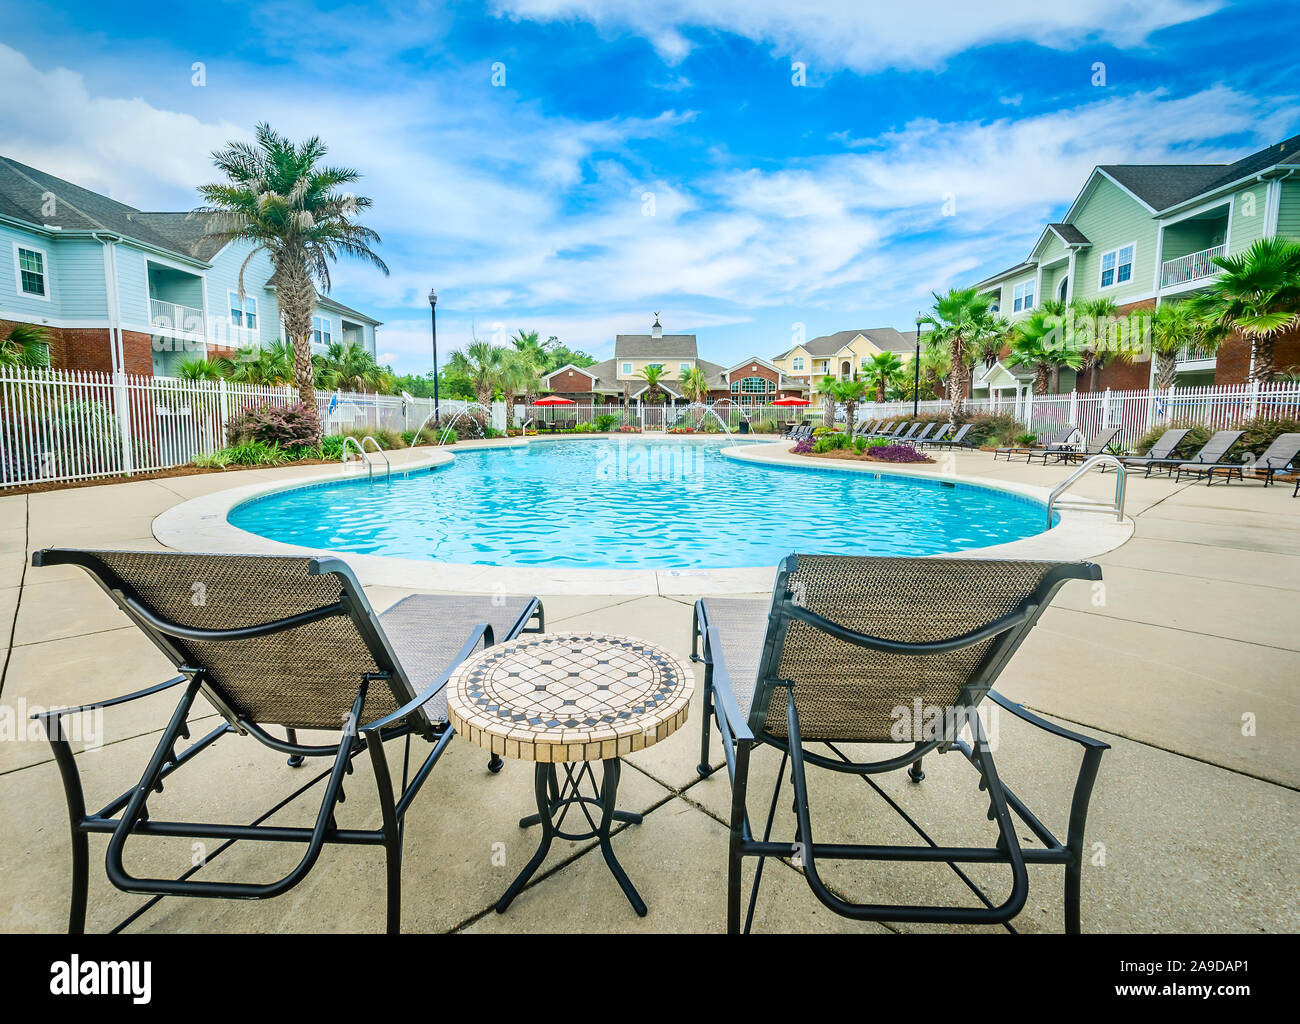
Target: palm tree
271, 366
849, 393
518, 376
480, 363
936, 364
1099, 343
27, 346
346, 366
202, 368
278, 197
652, 375
695, 386
1175, 327
1257, 296
1038, 342
883, 372
961, 321
826, 388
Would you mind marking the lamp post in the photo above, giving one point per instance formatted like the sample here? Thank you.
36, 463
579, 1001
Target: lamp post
433, 323
916, 369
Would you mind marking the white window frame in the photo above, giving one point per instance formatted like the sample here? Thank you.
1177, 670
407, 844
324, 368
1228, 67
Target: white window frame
327, 326
1101, 266
796, 364
683, 368
232, 304
45, 272
625, 368
1023, 296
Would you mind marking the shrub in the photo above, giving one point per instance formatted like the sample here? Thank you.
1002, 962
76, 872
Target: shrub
1196, 437
278, 425
388, 439
331, 447
1025, 440
217, 460
256, 453
859, 444
822, 444
605, 422
428, 435
803, 446
1259, 433
899, 453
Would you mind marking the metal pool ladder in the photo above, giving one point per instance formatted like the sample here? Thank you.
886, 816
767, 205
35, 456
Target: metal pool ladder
1087, 504
361, 450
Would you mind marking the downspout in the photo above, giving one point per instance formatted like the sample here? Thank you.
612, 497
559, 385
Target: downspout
116, 351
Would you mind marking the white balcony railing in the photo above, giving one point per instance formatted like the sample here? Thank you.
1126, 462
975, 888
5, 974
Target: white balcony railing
171, 316
1192, 267
1193, 354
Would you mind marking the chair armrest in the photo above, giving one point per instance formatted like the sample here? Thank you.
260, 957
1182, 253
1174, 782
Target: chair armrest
1044, 724
723, 697
111, 702
483, 631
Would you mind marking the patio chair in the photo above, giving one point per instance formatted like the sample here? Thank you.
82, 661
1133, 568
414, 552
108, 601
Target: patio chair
275, 642
1057, 438
920, 438
1061, 444
848, 650
892, 434
1277, 458
1094, 445
957, 440
1162, 449
939, 436
1213, 452
903, 438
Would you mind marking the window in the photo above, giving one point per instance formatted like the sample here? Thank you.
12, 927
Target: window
1117, 266
320, 330
627, 368
655, 366
865, 361
796, 364
1023, 297
683, 367
245, 315
753, 385
31, 272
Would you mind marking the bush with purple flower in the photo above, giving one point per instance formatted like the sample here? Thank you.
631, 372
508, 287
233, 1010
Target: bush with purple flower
899, 453
803, 447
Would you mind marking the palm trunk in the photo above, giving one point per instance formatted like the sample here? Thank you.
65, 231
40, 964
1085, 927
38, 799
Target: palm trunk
1042, 377
1094, 384
880, 391
1262, 369
1166, 370
1056, 378
297, 300
957, 392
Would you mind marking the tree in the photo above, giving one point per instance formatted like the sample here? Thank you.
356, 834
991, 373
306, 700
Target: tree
270, 367
278, 197
480, 364
1257, 296
518, 375
1175, 327
27, 345
1038, 342
695, 386
961, 320
849, 393
1095, 337
826, 388
346, 366
652, 375
883, 372
936, 364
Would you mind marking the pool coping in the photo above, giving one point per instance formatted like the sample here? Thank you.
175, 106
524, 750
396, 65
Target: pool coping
201, 524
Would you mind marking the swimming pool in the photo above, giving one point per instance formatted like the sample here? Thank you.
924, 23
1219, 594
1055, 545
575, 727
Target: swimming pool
635, 504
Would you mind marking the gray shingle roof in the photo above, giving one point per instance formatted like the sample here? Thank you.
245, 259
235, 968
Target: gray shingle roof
884, 338
1070, 234
25, 191
645, 346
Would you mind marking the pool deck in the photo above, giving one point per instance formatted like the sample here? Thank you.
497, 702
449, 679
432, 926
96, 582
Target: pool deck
1192, 825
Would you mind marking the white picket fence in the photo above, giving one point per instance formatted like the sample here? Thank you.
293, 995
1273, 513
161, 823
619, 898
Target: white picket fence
60, 425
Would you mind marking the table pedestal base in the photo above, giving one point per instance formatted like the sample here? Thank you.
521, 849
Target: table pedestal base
554, 801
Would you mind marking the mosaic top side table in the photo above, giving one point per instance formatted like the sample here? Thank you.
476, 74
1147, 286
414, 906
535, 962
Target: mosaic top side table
570, 699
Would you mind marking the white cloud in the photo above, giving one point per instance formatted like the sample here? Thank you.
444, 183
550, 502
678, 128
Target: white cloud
864, 35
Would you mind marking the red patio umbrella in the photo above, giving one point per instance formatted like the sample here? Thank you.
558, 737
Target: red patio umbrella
554, 400
792, 400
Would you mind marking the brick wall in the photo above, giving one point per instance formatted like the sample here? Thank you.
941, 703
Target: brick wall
1233, 363
52, 334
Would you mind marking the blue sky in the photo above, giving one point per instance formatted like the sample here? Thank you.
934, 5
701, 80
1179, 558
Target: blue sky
646, 156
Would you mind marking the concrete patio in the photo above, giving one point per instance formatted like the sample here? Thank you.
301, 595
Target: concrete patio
1192, 822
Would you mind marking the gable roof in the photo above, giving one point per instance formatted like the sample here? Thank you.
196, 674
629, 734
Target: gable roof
884, 338
24, 191
1069, 234
646, 346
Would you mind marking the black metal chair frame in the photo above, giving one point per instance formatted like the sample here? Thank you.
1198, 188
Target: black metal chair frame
740, 736
957, 440
128, 814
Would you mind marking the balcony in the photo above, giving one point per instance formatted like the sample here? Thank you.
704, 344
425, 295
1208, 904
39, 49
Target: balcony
172, 316
1195, 266
1192, 358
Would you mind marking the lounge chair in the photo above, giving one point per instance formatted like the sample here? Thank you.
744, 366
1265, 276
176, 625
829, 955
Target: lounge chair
1162, 449
880, 650
1094, 445
883, 427
1213, 452
1062, 445
920, 438
939, 437
1056, 439
289, 643
893, 435
1279, 457
957, 440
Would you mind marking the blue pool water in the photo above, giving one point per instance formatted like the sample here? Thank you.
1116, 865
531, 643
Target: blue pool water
631, 504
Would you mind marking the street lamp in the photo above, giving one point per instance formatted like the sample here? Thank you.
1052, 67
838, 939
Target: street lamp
916, 369
433, 322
